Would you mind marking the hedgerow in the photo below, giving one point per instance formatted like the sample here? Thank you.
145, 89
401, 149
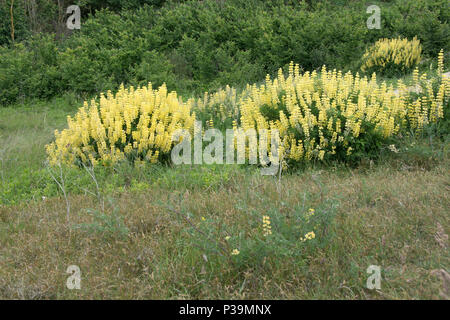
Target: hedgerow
199, 46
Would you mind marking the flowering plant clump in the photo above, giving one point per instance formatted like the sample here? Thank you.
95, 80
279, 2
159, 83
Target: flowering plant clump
338, 116
392, 56
135, 124
267, 228
319, 116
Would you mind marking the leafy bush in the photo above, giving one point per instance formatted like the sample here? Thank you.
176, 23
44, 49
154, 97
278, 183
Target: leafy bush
200, 46
392, 56
29, 69
426, 20
20, 22
31, 17
117, 5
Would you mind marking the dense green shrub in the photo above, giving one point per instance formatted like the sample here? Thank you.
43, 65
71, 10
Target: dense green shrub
428, 20
31, 17
30, 69
117, 5
197, 46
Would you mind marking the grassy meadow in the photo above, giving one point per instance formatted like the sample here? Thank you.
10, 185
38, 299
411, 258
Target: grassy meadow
131, 239
86, 177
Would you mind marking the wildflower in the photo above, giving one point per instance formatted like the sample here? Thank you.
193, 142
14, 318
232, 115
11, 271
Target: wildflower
203, 219
267, 228
441, 62
136, 124
393, 148
227, 238
235, 252
349, 151
309, 236
309, 214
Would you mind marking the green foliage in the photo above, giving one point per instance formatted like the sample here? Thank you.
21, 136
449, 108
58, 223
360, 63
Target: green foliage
21, 30
428, 20
197, 46
295, 232
108, 225
30, 69
30, 17
117, 5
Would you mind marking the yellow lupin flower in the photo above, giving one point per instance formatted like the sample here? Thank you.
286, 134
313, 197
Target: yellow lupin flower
309, 236
267, 228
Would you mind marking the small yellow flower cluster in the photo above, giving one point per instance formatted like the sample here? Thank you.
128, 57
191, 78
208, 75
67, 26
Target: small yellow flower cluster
386, 52
416, 76
309, 214
135, 123
235, 252
428, 107
309, 236
267, 228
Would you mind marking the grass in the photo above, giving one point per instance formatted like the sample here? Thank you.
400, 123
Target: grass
26, 129
386, 217
160, 232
